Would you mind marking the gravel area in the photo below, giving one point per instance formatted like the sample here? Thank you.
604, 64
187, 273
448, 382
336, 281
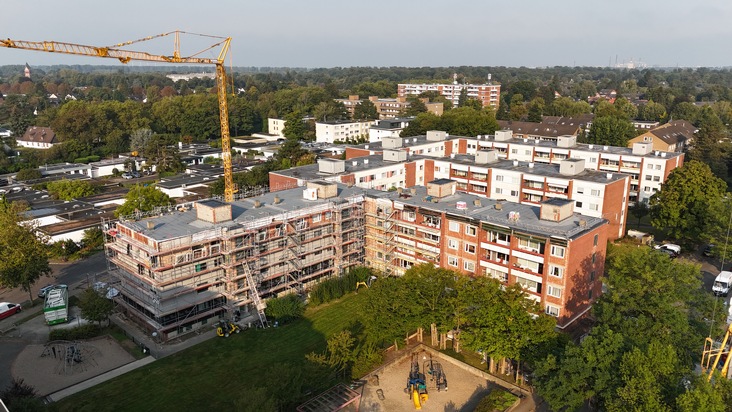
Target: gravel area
49, 373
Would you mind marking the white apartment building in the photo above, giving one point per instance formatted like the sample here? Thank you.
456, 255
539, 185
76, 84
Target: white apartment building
329, 132
276, 126
488, 94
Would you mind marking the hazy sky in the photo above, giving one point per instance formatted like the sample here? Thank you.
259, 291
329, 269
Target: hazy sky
328, 33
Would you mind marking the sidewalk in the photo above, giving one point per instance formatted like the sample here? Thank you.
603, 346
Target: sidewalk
56, 396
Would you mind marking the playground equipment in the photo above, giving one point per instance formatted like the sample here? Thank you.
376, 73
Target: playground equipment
437, 375
226, 328
416, 384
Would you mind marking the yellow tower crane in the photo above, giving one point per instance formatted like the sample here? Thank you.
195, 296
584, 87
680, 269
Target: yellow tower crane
124, 56
714, 352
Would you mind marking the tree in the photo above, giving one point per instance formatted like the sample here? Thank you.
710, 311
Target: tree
611, 131
517, 109
19, 396
285, 309
294, 126
536, 110
463, 97
688, 204
366, 110
639, 210
652, 111
70, 189
23, 258
28, 174
415, 107
93, 238
139, 140
95, 306
142, 199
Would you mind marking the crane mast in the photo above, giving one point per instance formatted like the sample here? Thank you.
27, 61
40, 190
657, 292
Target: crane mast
125, 56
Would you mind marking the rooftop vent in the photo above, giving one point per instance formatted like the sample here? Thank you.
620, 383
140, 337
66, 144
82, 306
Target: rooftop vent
150, 224
605, 148
354, 163
515, 162
592, 146
476, 202
366, 147
257, 204
609, 176
583, 223
498, 206
365, 161
531, 165
277, 200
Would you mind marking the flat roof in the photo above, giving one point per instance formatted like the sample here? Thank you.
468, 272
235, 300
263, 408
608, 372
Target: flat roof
312, 172
541, 169
178, 223
484, 210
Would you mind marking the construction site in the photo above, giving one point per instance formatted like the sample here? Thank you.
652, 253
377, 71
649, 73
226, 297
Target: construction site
181, 269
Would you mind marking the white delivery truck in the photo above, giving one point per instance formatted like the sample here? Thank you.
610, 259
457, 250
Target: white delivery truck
722, 283
56, 307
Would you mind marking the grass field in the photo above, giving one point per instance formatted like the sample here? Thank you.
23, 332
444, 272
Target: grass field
229, 374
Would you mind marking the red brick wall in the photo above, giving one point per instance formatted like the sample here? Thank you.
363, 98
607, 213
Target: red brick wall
352, 152
579, 266
429, 171
411, 174
280, 182
612, 207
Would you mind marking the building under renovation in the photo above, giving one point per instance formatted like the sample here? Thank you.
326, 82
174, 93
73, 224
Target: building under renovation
181, 269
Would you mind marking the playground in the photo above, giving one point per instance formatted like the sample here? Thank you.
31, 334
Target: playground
424, 379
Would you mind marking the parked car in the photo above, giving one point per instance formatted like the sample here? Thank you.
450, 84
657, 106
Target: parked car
126, 176
136, 175
708, 251
670, 249
44, 290
7, 309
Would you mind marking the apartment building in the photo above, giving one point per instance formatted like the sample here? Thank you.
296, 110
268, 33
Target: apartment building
388, 128
404, 163
488, 94
181, 269
647, 168
342, 130
389, 108
276, 127
557, 255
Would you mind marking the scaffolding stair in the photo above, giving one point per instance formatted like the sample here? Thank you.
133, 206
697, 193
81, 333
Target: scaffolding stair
258, 304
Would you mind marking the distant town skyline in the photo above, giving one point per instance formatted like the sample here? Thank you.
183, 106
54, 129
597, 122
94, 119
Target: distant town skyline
328, 33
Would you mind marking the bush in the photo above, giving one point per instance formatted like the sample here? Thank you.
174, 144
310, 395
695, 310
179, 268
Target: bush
285, 309
87, 331
28, 174
496, 401
335, 288
367, 359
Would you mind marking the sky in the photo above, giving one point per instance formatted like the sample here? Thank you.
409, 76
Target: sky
343, 33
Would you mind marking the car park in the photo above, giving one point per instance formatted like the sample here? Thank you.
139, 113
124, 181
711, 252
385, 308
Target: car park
7, 309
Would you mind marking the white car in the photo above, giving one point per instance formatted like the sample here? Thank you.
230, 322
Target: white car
126, 176
670, 248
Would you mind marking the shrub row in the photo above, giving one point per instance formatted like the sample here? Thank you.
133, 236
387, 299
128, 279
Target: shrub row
80, 332
332, 289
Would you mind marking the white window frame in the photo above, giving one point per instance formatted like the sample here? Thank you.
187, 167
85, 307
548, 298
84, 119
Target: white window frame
471, 230
468, 246
469, 266
554, 291
556, 271
552, 311
454, 227
558, 251
317, 218
452, 261
453, 244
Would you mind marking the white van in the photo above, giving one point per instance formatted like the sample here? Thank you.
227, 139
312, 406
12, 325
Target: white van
722, 283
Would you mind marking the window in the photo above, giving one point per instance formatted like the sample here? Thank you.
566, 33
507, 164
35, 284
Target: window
580, 190
656, 178
594, 206
499, 191
592, 275
514, 151
499, 178
529, 244
514, 193
470, 248
452, 261
454, 227
554, 291
556, 271
649, 177
317, 218
595, 192
558, 251
452, 243
200, 267
578, 204
647, 189
552, 311
469, 266
527, 152
650, 166
658, 167
594, 242
589, 294
471, 230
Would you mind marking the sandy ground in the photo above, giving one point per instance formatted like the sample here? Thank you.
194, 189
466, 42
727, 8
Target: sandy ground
465, 389
48, 374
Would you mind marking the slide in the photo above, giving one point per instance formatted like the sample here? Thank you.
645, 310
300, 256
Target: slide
416, 400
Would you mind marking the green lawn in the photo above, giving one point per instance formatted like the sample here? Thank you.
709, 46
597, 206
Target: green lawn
228, 374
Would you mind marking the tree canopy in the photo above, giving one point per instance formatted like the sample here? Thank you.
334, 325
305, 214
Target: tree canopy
23, 256
690, 204
142, 198
70, 189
